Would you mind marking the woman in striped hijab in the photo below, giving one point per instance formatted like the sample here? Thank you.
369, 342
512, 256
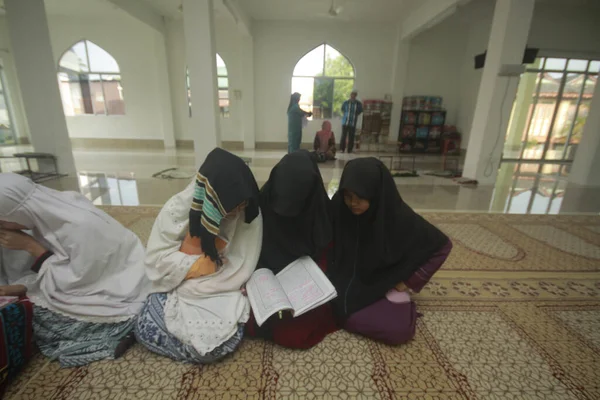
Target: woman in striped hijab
204, 246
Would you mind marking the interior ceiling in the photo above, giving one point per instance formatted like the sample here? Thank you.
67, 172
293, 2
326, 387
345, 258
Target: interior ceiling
84, 8
173, 8
277, 10
316, 10
168, 8
104, 8
286, 10
572, 3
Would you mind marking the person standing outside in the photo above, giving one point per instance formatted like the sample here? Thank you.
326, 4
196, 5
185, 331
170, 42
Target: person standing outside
351, 109
295, 116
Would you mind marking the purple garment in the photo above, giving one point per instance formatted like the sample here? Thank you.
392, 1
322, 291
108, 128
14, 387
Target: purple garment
395, 323
424, 274
384, 321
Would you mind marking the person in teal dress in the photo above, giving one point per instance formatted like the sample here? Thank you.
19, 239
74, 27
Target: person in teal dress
295, 115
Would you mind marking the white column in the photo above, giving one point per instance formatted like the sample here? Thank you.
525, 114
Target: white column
580, 199
507, 42
164, 88
13, 92
200, 50
248, 123
36, 71
586, 166
400, 68
470, 199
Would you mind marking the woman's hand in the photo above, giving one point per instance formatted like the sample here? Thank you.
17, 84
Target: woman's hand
191, 246
202, 267
13, 290
17, 240
401, 287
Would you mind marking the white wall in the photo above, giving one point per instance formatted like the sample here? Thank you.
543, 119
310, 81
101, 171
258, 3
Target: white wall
132, 44
229, 42
279, 45
435, 63
176, 61
440, 63
557, 30
441, 59
229, 47
13, 90
477, 18
564, 30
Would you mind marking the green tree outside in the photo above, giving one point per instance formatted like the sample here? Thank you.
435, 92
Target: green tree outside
335, 68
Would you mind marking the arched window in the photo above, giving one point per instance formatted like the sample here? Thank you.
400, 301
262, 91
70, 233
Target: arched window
188, 91
325, 79
222, 84
90, 81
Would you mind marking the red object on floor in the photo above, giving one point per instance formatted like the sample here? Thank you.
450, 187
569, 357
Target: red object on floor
16, 339
302, 332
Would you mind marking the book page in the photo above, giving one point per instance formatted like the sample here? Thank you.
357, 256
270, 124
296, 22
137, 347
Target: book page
305, 285
266, 295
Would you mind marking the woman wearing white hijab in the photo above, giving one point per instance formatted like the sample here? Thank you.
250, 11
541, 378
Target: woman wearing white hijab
203, 248
82, 269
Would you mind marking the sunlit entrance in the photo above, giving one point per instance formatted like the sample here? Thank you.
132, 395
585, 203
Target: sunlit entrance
549, 113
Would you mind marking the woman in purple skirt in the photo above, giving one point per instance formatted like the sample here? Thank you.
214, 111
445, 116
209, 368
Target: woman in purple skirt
382, 249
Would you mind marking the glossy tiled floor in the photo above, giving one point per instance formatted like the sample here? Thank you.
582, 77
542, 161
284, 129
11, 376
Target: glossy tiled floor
118, 177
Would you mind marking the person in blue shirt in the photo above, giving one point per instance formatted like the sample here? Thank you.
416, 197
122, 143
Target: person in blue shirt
295, 115
351, 108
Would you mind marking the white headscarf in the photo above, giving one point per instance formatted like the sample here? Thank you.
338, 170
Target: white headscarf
96, 272
203, 312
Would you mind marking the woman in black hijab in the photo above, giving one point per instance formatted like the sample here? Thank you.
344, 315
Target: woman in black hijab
381, 245
296, 223
296, 212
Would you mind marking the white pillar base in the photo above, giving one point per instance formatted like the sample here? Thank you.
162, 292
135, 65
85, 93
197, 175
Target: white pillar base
199, 31
248, 123
507, 42
401, 58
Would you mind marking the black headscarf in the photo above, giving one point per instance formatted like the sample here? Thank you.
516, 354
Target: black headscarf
380, 248
223, 182
294, 99
295, 208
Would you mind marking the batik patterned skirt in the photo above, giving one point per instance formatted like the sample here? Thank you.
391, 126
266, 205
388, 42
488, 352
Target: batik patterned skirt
74, 343
151, 331
15, 339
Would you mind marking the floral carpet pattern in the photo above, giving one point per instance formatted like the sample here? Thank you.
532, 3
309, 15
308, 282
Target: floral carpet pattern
513, 314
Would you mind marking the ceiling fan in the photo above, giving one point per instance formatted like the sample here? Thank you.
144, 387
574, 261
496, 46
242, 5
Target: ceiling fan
334, 11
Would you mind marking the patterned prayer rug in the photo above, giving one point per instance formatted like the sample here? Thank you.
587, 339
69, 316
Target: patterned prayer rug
513, 314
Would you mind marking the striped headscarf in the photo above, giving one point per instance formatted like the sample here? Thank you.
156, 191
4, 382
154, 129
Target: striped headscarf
223, 182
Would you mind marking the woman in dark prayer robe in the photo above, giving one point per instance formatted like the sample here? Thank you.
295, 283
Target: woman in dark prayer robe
382, 249
296, 223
